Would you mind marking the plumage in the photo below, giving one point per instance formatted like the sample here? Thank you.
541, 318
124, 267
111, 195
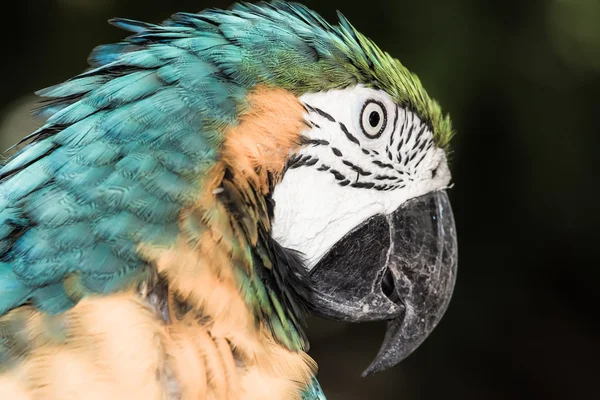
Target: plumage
156, 165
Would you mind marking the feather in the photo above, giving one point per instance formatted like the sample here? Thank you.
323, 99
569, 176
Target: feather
132, 25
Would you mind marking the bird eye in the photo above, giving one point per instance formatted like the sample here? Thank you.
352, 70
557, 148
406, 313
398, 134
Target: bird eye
373, 119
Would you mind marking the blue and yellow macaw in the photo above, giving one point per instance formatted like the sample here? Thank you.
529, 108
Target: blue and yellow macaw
200, 188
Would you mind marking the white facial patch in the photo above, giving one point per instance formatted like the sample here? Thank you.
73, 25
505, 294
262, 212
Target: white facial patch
367, 156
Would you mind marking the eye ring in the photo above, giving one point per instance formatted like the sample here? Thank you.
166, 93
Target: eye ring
373, 119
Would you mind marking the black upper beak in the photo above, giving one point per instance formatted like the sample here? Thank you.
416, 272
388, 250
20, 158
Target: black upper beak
399, 267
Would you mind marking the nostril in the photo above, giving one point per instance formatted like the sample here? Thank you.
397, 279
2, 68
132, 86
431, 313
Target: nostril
388, 287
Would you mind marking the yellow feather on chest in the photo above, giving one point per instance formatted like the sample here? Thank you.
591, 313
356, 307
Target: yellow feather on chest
118, 347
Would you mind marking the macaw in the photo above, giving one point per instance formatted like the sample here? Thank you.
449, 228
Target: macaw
205, 184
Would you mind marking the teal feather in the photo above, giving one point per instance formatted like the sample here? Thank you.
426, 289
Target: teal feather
97, 154
196, 21
313, 392
45, 111
109, 53
76, 237
165, 53
71, 114
179, 162
54, 207
169, 186
10, 218
136, 165
175, 73
26, 181
38, 273
147, 58
79, 180
33, 246
124, 89
12, 288
131, 25
73, 87
81, 133
123, 225
52, 299
199, 45
160, 35
106, 263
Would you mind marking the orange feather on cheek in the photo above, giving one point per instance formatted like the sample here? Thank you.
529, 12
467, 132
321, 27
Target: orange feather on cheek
265, 136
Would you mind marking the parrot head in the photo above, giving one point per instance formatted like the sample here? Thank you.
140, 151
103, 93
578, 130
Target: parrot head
363, 199
364, 202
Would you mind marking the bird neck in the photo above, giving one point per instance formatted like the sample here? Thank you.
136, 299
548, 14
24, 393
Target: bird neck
227, 280
224, 298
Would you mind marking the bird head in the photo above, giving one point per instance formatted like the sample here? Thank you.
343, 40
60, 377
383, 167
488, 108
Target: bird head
363, 198
364, 202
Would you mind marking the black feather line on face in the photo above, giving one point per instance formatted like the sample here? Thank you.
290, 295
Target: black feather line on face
350, 136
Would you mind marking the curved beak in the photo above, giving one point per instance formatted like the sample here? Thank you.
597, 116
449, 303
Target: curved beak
399, 267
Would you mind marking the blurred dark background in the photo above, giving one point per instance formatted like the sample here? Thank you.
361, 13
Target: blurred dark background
521, 80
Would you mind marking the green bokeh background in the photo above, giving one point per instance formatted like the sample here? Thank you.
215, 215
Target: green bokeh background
521, 80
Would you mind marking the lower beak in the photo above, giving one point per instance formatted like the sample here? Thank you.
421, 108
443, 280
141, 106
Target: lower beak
399, 267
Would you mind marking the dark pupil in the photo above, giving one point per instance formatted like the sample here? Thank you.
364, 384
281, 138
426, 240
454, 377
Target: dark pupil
374, 119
